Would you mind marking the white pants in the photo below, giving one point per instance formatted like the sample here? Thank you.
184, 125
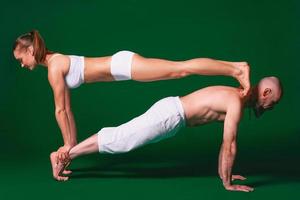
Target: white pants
120, 66
161, 121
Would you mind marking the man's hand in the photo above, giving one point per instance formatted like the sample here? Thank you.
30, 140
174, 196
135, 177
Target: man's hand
63, 154
237, 177
242, 188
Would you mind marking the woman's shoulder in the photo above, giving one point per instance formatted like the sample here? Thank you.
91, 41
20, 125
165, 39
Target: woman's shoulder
57, 57
59, 63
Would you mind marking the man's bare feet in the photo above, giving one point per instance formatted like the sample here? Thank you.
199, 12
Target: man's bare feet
66, 171
58, 168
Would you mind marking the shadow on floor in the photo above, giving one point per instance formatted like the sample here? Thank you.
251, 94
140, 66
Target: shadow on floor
268, 173
143, 170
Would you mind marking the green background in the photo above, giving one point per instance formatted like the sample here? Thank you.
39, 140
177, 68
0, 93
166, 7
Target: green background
263, 32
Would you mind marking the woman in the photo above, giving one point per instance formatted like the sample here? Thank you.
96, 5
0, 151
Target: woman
65, 72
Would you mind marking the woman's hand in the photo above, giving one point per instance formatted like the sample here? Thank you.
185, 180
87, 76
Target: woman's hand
63, 153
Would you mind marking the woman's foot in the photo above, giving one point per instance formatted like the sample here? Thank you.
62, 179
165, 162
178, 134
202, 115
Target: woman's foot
243, 76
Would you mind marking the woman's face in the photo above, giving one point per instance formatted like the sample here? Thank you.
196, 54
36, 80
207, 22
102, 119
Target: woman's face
25, 57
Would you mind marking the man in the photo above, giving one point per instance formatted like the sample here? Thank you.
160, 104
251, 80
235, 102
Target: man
167, 116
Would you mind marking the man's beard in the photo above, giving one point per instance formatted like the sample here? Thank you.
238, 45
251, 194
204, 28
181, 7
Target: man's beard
258, 110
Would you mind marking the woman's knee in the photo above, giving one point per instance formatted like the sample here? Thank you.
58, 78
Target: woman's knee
180, 70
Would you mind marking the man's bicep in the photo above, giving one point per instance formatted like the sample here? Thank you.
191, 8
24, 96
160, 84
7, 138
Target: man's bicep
231, 123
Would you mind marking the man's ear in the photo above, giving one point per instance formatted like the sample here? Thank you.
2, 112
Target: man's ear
267, 92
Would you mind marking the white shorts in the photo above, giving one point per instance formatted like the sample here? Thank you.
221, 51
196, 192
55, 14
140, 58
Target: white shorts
161, 121
120, 66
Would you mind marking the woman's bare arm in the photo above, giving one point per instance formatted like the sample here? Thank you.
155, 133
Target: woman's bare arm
71, 118
57, 82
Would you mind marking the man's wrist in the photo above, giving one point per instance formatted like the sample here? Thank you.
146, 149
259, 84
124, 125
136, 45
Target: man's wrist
226, 183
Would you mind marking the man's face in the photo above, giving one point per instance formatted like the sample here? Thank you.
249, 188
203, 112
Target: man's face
266, 100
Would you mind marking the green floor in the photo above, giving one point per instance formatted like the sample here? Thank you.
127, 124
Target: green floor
152, 176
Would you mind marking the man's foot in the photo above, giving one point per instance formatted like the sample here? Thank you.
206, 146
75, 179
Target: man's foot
242, 76
58, 168
66, 171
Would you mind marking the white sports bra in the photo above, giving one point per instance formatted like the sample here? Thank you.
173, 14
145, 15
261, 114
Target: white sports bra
75, 75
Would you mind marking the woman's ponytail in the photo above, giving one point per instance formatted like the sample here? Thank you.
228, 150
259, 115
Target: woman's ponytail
39, 47
35, 39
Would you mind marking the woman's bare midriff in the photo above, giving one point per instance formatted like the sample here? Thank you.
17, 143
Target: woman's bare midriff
97, 69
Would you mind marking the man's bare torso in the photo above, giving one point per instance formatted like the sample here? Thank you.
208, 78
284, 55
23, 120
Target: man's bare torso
208, 104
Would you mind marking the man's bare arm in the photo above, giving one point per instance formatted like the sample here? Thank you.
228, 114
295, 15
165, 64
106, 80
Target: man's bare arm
220, 162
229, 148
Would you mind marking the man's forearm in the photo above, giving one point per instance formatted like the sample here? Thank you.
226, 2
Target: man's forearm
227, 161
220, 162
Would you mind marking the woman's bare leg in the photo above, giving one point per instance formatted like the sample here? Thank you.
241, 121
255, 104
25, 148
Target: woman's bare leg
152, 69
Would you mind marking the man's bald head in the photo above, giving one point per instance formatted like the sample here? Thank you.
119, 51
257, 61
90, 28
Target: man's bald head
273, 83
269, 92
